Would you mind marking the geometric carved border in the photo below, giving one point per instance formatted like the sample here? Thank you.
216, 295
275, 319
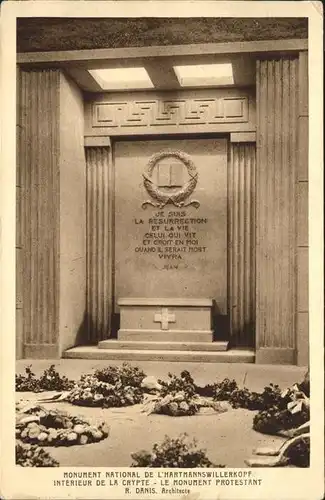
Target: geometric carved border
169, 112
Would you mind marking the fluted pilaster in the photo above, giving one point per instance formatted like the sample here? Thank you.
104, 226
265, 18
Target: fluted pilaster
277, 84
99, 242
241, 237
38, 210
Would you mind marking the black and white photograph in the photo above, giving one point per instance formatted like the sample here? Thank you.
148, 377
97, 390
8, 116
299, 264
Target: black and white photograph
164, 341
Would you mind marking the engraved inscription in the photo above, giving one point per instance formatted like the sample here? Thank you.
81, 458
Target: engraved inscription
171, 238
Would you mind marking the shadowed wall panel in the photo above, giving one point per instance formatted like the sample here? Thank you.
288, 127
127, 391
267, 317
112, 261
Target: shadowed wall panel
39, 210
19, 251
72, 215
241, 257
302, 201
99, 243
277, 113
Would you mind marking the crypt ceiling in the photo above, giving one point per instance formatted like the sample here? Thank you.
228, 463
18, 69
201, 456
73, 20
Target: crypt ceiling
54, 34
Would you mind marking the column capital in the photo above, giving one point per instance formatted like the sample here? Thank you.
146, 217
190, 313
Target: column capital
243, 137
97, 141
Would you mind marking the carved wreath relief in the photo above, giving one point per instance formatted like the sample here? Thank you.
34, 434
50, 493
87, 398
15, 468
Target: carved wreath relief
161, 197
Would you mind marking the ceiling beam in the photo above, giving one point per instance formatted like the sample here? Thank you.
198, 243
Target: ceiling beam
99, 57
84, 79
161, 74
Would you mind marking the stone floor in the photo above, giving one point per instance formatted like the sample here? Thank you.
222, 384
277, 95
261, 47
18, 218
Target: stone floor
228, 437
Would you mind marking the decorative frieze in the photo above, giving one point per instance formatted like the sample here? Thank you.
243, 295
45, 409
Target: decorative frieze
158, 113
116, 114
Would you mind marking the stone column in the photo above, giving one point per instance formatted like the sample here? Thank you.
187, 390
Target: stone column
276, 174
51, 253
100, 195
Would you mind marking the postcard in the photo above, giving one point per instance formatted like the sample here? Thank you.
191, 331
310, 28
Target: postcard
162, 250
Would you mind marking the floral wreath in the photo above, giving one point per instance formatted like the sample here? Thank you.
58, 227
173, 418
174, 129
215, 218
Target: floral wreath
178, 197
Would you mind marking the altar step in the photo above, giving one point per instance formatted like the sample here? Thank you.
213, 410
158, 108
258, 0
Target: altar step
148, 353
140, 345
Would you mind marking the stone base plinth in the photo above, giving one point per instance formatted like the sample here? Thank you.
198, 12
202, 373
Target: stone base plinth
275, 356
166, 336
188, 356
143, 345
165, 320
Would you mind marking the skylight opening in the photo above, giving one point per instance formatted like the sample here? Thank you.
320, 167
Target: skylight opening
205, 74
122, 78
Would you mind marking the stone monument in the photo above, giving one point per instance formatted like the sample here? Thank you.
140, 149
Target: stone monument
171, 238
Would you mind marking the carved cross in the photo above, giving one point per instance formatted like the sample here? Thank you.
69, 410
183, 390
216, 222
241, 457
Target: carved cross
164, 318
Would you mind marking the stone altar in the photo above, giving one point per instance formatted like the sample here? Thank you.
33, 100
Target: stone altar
165, 320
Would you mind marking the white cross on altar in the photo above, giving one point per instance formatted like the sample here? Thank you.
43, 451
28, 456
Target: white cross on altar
164, 318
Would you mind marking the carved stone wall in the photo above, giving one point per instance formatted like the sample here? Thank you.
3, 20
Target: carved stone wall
214, 110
